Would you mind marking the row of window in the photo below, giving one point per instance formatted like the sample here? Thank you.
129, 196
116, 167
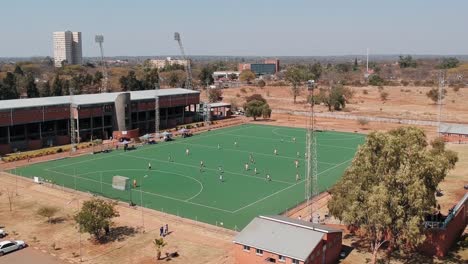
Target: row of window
272, 260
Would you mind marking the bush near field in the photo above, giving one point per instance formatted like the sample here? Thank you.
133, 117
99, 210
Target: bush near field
46, 151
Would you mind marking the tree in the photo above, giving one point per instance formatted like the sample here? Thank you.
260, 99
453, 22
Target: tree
389, 188
247, 76
215, 95
46, 91
407, 62
47, 211
57, 86
9, 88
362, 121
376, 80
31, 88
133, 83
206, 75
123, 83
355, 65
335, 98
159, 243
175, 78
433, 94
95, 217
448, 63
257, 97
151, 79
18, 71
343, 67
296, 75
97, 79
261, 83
257, 106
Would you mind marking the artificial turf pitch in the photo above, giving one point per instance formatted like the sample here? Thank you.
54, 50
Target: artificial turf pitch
178, 187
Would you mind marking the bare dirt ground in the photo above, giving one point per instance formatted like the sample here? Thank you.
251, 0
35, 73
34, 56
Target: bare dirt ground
200, 243
195, 242
403, 102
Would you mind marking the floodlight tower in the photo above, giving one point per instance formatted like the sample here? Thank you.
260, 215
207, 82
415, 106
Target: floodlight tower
156, 108
311, 188
188, 67
100, 39
72, 122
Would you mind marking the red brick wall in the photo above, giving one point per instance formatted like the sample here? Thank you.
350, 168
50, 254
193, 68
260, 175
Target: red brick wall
250, 257
456, 138
243, 66
5, 149
63, 140
34, 144
438, 241
130, 134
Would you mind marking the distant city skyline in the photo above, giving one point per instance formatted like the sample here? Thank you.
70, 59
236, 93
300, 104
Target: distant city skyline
239, 28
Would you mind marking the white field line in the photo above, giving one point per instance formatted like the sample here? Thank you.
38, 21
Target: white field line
348, 137
274, 139
150, 193
182, 175
205, 168
255, 153
144, 148
266, 197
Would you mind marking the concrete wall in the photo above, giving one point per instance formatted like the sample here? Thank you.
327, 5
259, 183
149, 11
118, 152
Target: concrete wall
122, 103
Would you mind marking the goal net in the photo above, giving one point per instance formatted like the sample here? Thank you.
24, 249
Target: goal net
121, 183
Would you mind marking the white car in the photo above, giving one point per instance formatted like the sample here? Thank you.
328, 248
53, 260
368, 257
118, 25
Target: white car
9, 246
3, 233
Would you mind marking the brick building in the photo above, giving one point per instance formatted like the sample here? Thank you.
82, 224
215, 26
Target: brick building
455, 133
40, 122
279, 239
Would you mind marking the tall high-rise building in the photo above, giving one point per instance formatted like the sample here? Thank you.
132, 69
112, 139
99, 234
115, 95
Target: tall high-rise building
67, 48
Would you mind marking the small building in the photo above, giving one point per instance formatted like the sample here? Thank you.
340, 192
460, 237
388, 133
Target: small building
268, 67
220, 110
168, 62
455, 133
279, 239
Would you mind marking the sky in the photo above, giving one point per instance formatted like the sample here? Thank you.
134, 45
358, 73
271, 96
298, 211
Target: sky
238, 27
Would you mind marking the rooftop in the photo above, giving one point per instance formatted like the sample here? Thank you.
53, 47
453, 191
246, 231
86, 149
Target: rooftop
89, 99
453, 128
283, 236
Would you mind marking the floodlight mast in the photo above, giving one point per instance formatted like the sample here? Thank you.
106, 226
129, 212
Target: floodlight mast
188, 67
72, 122
156, 109
100, 40
311, 187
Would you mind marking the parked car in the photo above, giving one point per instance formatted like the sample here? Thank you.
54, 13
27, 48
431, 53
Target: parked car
3, 233
9, 246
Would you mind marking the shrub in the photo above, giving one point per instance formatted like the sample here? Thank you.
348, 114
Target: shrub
404, 83
362, 121
243, 90
383, 96
365, 91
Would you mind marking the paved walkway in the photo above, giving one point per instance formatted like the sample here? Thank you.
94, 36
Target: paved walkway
29, 255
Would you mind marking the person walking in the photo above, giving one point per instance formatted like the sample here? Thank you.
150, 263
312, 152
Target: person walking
161, 231
166, 230
149, 166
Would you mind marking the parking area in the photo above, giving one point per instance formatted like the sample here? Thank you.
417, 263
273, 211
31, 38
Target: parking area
29, 255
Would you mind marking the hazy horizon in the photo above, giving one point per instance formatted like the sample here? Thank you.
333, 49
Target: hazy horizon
241, 28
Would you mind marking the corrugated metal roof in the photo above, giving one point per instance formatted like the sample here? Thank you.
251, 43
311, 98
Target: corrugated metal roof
281, 235
88, 99
214, 105
453, 128
305, 224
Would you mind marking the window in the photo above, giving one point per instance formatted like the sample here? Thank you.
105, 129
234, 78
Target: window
295, 261
271, 260
281, 258
246, 248
259, 252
